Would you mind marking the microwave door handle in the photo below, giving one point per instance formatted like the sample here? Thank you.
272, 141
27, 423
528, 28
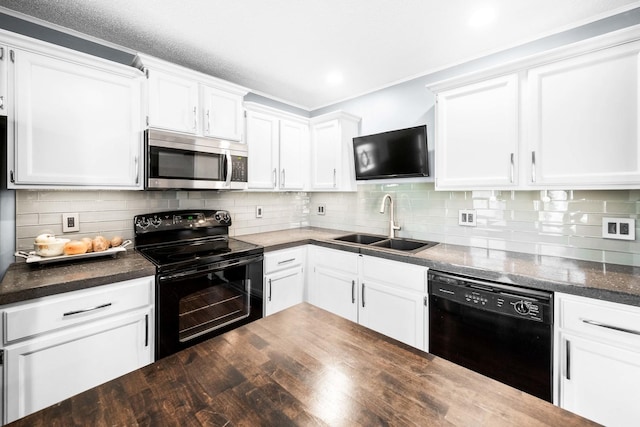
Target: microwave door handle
229, 169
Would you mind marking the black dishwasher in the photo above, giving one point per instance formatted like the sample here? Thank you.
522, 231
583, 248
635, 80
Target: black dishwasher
503, 332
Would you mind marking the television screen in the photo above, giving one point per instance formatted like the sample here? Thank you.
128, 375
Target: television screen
394, 154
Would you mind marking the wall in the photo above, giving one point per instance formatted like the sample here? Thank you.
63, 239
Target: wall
111, 213
558, 223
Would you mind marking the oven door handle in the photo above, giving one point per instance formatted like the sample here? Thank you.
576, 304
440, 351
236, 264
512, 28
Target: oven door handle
211, 267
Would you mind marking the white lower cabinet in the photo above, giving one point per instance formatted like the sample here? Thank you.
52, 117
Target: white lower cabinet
284, 279
386, 296
393, 300
598, 359
93, 336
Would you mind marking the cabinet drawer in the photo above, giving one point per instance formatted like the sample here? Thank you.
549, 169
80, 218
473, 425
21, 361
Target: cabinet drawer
286, 258
617, 323
50, 313
394, 273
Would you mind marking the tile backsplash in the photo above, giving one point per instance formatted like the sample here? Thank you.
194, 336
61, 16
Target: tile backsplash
111, 213
561, 223
558, 223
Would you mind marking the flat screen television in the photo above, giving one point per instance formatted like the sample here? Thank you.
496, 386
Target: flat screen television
395, 154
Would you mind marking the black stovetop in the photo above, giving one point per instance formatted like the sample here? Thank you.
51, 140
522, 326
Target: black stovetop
183, 239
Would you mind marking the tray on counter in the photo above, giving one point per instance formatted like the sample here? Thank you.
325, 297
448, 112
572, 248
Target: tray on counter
31, 257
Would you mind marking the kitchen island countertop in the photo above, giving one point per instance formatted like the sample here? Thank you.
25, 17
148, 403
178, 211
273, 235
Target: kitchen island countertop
611, 282
24, 281
302, 366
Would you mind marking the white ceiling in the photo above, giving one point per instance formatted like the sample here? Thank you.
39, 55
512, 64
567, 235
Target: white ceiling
285, 49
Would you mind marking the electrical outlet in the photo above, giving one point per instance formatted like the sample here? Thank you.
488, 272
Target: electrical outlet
70, 222
258, 211
467, 217
322, 209
619, 228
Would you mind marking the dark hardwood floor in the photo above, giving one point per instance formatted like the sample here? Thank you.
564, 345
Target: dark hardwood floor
303, 366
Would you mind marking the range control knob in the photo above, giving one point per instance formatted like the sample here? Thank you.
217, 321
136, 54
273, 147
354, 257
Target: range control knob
521, 307
222, 216
142, 223
156, 222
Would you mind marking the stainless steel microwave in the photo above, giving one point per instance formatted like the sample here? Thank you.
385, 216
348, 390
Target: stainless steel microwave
176, 161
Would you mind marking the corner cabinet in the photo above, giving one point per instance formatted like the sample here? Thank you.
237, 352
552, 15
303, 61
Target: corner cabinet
55, 347
567, 119
278, 146
186, 101
597, 365
387, 296
74, 121
332, 167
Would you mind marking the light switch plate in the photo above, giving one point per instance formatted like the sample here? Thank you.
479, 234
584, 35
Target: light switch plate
322, 209
619, 228
258, 211
467, 217
70, 222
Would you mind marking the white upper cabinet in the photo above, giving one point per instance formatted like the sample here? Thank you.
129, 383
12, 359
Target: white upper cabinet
477, 134
173, 102
278, 149
4, 59
568, 119
584, 115
222, 115
74, 120
332, 167
187, 101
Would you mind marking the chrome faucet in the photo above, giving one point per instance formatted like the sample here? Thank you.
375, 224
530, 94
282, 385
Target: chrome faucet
392, 226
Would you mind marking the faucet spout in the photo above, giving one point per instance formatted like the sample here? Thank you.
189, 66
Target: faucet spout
392, 226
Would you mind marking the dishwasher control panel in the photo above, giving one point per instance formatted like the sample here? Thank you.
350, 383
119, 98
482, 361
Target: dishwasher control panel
494, 297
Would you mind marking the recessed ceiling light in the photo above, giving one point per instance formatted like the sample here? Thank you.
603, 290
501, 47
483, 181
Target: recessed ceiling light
334, 78
482, 17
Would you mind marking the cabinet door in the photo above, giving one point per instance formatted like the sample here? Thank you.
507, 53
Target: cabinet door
262, 142
76, 125
477, 135
335, 291
294, 159
283, 290
222, 114
600, 381
584, 120
325, 155
173, 102
394, 312
46, 370
4, 96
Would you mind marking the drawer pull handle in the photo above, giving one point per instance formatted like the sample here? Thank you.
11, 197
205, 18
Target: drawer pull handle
98, 307
286, 261
615, 328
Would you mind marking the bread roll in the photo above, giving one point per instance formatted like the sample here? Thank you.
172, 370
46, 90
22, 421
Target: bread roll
46, 238
87, 241
100, 244
116, 241
74, 247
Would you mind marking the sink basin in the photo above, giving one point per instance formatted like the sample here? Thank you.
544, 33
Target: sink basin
405, 245
363, 239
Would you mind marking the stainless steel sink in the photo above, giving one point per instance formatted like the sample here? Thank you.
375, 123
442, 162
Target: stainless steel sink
363, 239
403, 245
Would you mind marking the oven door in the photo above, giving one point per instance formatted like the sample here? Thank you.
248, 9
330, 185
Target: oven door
197, 304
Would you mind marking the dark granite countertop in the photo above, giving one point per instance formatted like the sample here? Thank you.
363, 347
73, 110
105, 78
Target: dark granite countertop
24, 281
611, 282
